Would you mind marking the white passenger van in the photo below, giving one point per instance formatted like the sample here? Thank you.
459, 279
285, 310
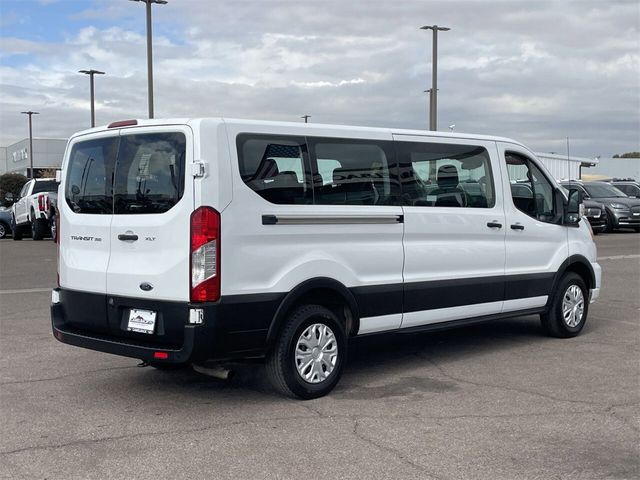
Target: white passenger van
214, 240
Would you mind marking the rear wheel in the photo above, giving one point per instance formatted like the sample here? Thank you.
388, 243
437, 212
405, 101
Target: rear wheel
309, 355
38, 228
569, 307
16, 230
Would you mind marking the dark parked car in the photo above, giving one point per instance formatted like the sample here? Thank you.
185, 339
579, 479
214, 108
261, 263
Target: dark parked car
628, 186
621, 210
596, 214
5, 222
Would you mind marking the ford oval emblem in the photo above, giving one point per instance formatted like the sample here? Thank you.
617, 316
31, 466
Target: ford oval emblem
146, 286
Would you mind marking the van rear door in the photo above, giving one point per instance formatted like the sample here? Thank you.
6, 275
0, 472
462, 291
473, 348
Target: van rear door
86, 211
152, 203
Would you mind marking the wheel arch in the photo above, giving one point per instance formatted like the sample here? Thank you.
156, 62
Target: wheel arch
321, 291
577, 264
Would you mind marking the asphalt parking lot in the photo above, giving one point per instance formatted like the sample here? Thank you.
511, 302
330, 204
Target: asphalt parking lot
497, 401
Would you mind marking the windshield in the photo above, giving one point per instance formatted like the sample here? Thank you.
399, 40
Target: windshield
603, 190
129, 174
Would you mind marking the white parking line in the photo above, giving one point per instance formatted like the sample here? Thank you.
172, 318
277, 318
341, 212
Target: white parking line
25, 290
618, 257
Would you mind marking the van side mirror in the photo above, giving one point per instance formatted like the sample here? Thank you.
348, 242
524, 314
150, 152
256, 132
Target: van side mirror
574, 208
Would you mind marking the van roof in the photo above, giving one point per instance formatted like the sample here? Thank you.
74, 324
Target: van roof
306, 126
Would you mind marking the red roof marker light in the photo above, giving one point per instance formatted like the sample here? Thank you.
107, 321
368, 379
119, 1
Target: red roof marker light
123, 123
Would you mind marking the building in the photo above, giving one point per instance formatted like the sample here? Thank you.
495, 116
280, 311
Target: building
47, 154
566, 168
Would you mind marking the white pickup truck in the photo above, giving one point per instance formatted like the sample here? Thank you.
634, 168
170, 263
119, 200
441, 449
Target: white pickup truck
35, 209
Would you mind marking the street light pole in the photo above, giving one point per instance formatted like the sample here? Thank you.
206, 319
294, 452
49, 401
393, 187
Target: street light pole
91, 73
433, 108
30, 113
150, 51
429, 92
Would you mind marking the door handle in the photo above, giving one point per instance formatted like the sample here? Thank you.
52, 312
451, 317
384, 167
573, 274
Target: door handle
494, 225
517, 226
126, 236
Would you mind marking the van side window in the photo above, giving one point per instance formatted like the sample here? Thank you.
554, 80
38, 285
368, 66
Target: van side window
445, 175
531, 191
353, 172
88, 187
274, 168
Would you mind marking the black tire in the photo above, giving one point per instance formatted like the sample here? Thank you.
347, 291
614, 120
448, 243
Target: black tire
609, 222
16, 230
281, 361
38, 228
4, 230
553, 321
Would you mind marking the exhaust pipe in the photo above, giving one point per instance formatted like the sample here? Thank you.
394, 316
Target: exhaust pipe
215, 371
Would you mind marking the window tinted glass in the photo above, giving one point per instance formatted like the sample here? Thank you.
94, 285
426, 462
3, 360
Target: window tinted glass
274, 168
89, 172
45, 186
444, 175
148, 177
150, 173
353, 173
603, 190
531, 191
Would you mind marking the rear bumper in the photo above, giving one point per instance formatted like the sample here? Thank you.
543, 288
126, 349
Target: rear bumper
232, 329
148, 352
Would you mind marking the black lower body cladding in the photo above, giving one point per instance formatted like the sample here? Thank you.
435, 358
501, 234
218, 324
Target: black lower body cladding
231, 329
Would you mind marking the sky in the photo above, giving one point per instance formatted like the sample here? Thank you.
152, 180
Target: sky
536, 71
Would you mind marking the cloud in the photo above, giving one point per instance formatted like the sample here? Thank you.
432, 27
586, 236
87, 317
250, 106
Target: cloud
535, 71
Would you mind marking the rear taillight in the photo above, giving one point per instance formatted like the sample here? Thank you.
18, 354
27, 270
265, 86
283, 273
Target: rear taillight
41, 205
205, 255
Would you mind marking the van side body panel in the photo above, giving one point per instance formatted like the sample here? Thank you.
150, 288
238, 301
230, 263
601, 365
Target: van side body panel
355, 245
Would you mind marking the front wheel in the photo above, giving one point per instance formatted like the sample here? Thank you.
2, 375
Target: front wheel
609, 223
4, 229
569, 308
309, 355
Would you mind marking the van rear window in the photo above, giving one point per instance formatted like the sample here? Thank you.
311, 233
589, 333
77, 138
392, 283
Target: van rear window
130, 174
